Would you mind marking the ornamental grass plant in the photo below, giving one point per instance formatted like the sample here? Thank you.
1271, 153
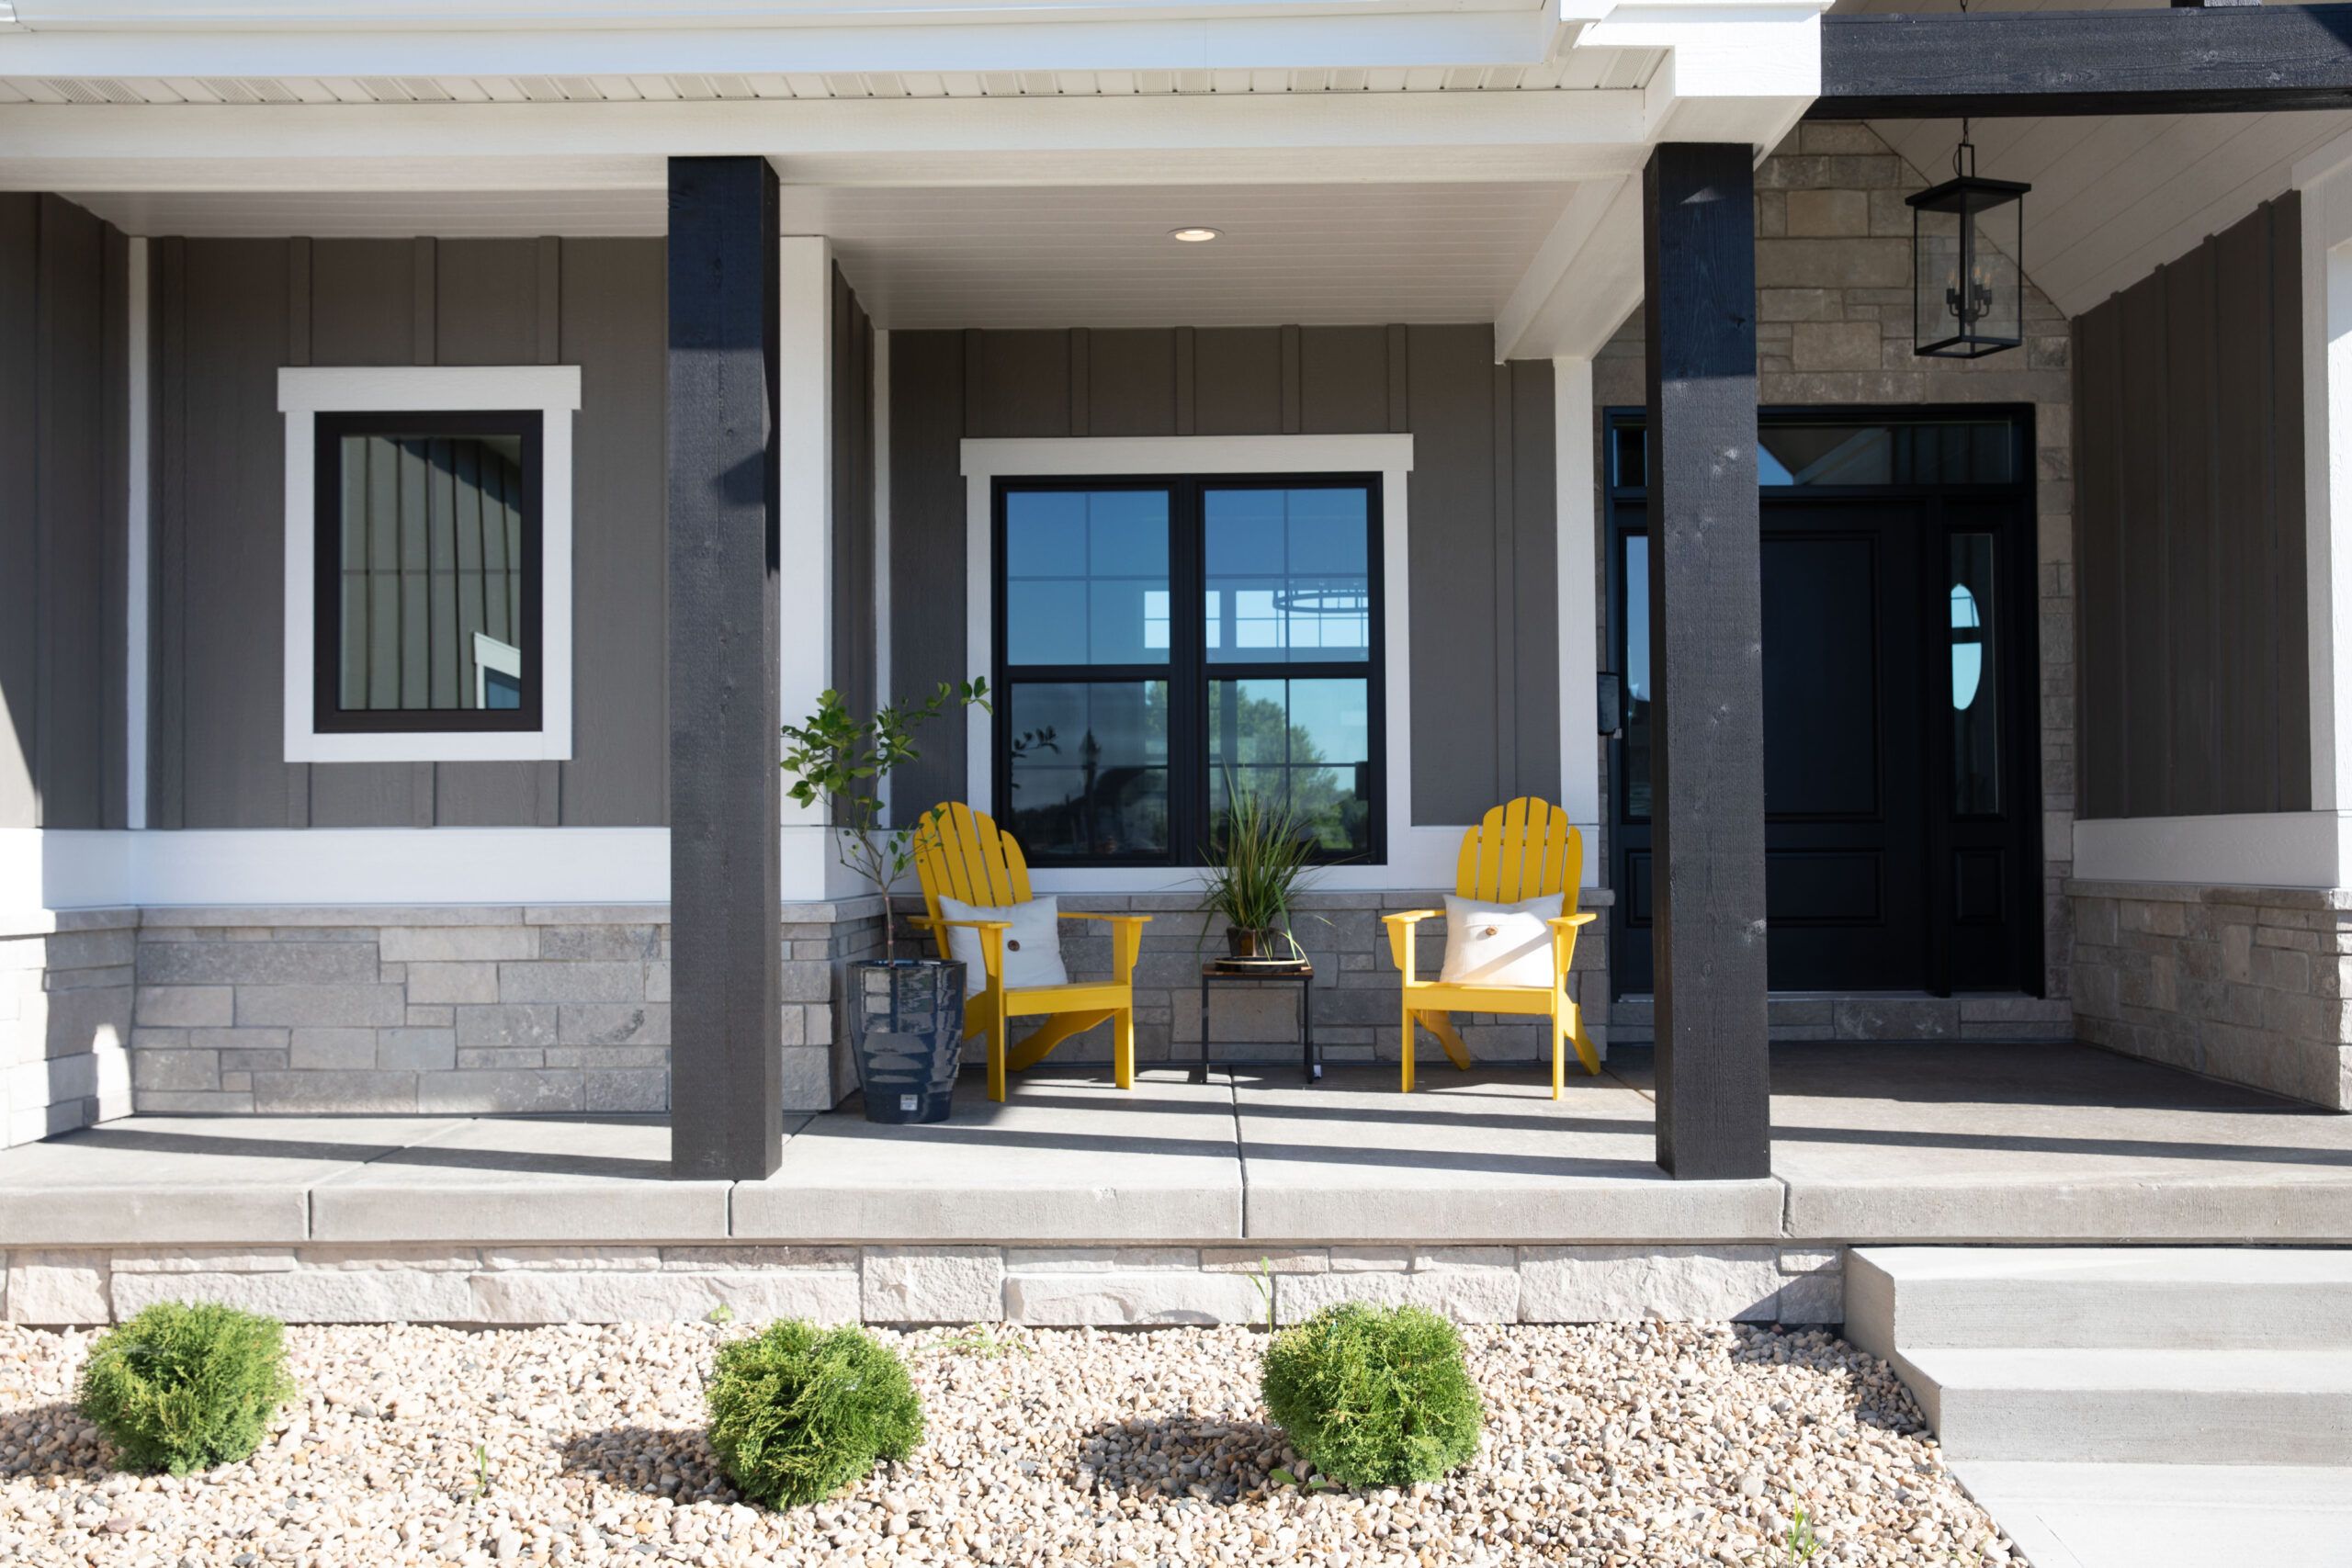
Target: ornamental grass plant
185, 1386
798, 1412
1375, 1397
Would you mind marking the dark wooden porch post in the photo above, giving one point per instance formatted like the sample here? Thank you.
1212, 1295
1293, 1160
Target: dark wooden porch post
726, 1065
1706, 615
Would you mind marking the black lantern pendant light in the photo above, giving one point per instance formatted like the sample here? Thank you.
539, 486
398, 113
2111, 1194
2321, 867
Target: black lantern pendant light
1967, 293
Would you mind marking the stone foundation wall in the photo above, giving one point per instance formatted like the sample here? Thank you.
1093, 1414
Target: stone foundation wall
2247, 984
65, 1004
448, 1009
1060, 1286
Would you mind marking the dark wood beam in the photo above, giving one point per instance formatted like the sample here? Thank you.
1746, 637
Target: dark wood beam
726, 983
2214, 59
1706, 667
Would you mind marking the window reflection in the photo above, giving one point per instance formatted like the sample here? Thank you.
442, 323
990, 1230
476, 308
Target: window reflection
1086, 576
1289, 576
1976, 678
1089, 767
1307, 743
1638, 675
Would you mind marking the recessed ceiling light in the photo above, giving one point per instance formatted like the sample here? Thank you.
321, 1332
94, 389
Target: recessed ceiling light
1193, 236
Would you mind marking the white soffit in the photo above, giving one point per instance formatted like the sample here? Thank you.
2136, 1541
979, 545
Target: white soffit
2114, 196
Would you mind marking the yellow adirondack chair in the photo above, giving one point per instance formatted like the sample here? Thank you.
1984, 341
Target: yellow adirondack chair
962, 854
1521, 851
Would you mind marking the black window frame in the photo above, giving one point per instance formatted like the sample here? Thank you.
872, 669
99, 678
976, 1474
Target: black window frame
1188, 669
328, 431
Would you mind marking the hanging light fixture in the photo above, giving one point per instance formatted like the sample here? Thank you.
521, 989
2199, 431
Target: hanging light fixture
1967, 292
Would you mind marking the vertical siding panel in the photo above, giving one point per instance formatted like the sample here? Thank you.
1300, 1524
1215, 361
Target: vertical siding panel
1187, 351
1238, 380
168, 663
487, 311
1534, 579
1451, 569
2248, 673
69, 484
1023, 380
2146, 636
2099, 570
2290, 616
2187, 433
20, 524
113, 630
1398, 375
615, 327
1080, 376
232, 503
853, 520
362, 312
546, 347
929, 380
1291, 393
1504, 628
1344, 380
1132, 384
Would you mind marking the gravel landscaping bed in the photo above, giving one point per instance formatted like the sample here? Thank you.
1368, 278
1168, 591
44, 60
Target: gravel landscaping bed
1621, 1444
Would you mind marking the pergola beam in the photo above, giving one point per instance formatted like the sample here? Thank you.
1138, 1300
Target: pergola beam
2188, 60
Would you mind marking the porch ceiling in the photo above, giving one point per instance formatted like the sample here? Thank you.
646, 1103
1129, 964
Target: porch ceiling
2115, 197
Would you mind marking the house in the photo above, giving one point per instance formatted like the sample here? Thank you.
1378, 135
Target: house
438, 450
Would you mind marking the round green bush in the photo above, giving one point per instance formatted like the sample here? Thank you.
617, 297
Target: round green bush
185, 1386
799, 1411
1375, 1397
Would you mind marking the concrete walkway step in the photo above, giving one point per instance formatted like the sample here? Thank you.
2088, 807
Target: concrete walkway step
2167, 1516
1920, 1298
2137, 1406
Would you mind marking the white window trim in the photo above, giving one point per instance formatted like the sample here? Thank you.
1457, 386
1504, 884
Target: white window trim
550, 390
1415, 854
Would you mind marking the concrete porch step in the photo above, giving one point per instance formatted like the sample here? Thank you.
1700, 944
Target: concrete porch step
2137, 1406
1920, 1298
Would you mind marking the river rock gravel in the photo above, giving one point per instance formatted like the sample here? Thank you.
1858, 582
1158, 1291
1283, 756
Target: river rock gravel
1628, 1446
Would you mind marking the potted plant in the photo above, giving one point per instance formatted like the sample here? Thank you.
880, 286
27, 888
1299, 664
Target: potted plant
1264, 856
906, 1015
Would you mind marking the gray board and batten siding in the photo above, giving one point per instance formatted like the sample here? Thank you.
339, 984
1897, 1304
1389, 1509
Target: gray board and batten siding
1483, 665
2190, 547
229, 313
65, 325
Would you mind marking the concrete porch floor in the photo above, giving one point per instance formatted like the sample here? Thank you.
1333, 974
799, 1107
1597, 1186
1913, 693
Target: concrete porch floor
1949, 1143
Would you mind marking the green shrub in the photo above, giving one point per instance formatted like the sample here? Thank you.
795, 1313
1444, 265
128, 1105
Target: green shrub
797, 1413
1375, 1397
183, 1386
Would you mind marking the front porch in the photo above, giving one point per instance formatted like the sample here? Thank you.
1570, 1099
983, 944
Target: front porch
1479, 1194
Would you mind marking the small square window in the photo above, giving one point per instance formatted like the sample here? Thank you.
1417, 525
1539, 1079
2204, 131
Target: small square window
429, 560
428, 563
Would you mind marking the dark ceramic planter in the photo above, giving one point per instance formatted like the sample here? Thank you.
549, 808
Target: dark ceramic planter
907, 1033
1243, 941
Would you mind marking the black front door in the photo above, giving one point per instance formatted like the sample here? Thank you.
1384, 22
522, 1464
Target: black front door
1900, 802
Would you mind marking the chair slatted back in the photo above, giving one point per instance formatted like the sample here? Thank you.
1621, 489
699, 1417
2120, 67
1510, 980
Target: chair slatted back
1522, 850
961, 853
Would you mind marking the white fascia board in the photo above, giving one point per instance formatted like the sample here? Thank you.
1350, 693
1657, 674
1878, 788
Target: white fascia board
1401, 41
1279, 138
2280, 848
345, 16
1585, 280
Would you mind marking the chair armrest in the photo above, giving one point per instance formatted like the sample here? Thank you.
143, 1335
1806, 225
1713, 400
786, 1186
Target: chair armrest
1126, 939
1400, 937
1586, 919
992, 942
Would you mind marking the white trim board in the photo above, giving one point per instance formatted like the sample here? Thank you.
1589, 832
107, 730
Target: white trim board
2284, 849
137, 592
1391, 457
550, 390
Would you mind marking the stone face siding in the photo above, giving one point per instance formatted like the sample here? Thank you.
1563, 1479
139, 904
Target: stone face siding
447, 1009
2247, 984
1833, 274
1885, 1018
1059, 1286
65, 1000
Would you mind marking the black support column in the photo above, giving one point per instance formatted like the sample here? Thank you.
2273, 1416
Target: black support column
1706, 664
726, 1073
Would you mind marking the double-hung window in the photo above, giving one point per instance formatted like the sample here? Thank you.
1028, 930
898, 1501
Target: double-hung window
1125, 724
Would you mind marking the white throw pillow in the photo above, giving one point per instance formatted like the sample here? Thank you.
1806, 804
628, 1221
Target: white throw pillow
1489, 944
1032, 948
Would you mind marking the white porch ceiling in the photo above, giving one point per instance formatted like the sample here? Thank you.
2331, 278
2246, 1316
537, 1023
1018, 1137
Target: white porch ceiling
2115, 197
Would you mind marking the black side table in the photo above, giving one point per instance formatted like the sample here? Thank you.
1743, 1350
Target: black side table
1303, 978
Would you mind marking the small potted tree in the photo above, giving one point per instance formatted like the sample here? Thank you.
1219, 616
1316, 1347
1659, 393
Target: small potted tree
906, 1015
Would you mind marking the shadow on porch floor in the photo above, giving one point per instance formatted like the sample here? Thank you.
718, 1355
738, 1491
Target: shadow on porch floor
1871, 1143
